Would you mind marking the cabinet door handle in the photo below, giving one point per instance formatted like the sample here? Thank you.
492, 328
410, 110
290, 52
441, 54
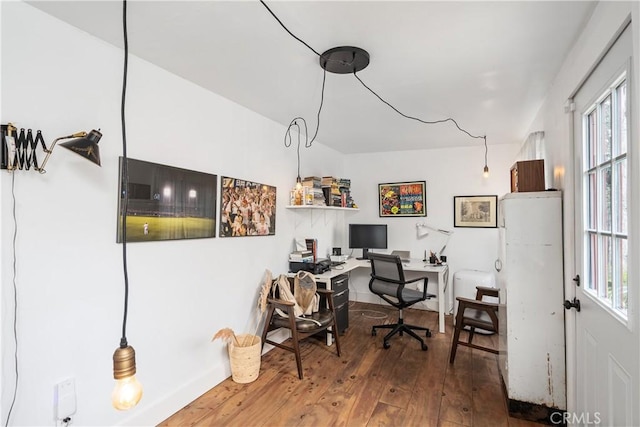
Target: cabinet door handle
498, 265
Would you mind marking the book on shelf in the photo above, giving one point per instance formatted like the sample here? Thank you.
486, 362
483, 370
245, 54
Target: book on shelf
312, 181
313, 196
302, 253
312, 245
301, 259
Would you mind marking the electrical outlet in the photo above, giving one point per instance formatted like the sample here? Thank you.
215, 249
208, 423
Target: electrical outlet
64, 398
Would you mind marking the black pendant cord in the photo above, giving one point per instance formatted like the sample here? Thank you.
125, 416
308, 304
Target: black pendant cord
298, 149
485, 150
15, 296
307, 143
287, 30
430, 122
125, 178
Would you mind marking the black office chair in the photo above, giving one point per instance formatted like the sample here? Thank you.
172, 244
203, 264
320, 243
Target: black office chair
389, 283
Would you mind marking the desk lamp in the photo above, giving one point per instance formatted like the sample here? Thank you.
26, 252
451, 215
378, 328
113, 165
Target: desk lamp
422, 230
82, 143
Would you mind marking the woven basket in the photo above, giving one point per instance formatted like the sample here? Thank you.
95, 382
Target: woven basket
245, 359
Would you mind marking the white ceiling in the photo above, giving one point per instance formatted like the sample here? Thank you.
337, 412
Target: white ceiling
488, 65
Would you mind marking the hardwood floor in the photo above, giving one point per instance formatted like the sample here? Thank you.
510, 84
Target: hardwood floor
367, 386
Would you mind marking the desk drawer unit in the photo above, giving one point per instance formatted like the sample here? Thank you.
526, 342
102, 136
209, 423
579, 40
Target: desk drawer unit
340, 287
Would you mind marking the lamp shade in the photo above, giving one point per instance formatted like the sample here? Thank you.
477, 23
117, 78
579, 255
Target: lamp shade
86, 146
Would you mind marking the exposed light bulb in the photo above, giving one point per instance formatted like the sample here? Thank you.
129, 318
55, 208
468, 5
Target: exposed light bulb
298, 183
127, 393
128, 390
485, 173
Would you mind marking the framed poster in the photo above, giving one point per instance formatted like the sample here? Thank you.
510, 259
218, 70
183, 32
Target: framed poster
166, 203
403, 199
248, 208
475, 211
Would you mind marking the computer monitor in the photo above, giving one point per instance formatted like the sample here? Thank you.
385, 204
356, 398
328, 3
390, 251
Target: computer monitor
367, 236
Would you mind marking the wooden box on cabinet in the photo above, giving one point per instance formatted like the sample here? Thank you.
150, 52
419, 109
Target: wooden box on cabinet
527, 175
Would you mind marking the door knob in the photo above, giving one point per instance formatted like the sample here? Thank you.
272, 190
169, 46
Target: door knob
572, 304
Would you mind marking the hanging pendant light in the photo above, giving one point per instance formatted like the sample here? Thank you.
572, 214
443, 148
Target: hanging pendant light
128, 390
485, 171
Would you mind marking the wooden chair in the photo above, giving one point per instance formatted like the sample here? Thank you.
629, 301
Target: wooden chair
301, 328
474, 314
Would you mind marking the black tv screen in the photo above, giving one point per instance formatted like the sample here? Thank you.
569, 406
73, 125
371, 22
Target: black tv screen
367, 236
165, 202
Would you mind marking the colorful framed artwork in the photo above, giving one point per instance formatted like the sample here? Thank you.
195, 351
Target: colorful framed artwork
248, 208
475, 211
166, 203
403, 199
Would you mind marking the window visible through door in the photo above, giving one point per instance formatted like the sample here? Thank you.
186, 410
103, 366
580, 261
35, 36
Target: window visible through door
605, 183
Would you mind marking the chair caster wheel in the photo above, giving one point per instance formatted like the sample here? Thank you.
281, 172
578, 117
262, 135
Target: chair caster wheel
428, 334
424, 347
373, 333
386, 345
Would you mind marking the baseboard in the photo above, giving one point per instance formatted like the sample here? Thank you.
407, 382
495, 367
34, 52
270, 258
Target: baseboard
533, 411
158, 411
161, 409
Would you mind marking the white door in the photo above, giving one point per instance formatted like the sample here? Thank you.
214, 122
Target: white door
606, 329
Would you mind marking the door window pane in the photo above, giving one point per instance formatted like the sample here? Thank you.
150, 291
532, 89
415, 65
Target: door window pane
592, 207
592, 262
620, 143
592, 140
620, 196
605, 194
606, 197
621, 298
606, 285
605, 137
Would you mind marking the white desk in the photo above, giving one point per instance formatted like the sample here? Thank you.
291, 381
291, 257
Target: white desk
415, 265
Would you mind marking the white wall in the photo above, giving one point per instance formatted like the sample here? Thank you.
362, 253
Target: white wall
69, 270
448, 173
606, 22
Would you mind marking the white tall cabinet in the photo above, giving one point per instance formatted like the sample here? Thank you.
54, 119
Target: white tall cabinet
531, 313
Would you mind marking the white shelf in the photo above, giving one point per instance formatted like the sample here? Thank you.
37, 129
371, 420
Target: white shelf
326, 208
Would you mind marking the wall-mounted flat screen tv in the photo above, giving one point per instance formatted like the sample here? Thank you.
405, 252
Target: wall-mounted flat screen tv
166, 203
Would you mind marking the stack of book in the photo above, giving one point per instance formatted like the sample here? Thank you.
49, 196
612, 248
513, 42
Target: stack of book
301, 256
326, 184
337, 192
344, 186
313, 194
312, 246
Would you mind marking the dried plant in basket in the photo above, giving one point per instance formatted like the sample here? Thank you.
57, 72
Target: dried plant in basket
227, 335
